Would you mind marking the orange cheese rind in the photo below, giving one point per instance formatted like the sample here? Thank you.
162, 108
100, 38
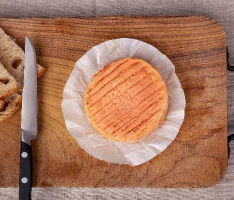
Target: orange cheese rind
126, 100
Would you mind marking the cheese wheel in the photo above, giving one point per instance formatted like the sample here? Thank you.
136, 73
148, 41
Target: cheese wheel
126, 100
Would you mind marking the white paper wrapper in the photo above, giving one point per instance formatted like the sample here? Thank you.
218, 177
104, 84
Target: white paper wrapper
83, 131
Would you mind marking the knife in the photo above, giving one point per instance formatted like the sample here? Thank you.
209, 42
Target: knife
28, 120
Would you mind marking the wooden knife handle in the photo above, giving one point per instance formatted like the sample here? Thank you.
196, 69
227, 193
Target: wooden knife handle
25, 182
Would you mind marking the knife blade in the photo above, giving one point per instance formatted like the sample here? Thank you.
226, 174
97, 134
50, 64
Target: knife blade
28, 120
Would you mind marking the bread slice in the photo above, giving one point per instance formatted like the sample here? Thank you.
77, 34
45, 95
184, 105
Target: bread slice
12, 57
8, 84
11, 105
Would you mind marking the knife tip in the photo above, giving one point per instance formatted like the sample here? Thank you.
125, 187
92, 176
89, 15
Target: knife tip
28, 43
27, 39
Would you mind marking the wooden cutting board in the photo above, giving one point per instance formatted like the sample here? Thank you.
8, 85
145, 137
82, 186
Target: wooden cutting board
197, 157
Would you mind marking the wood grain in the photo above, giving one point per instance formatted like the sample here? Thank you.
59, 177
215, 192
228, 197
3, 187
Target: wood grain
198, 156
